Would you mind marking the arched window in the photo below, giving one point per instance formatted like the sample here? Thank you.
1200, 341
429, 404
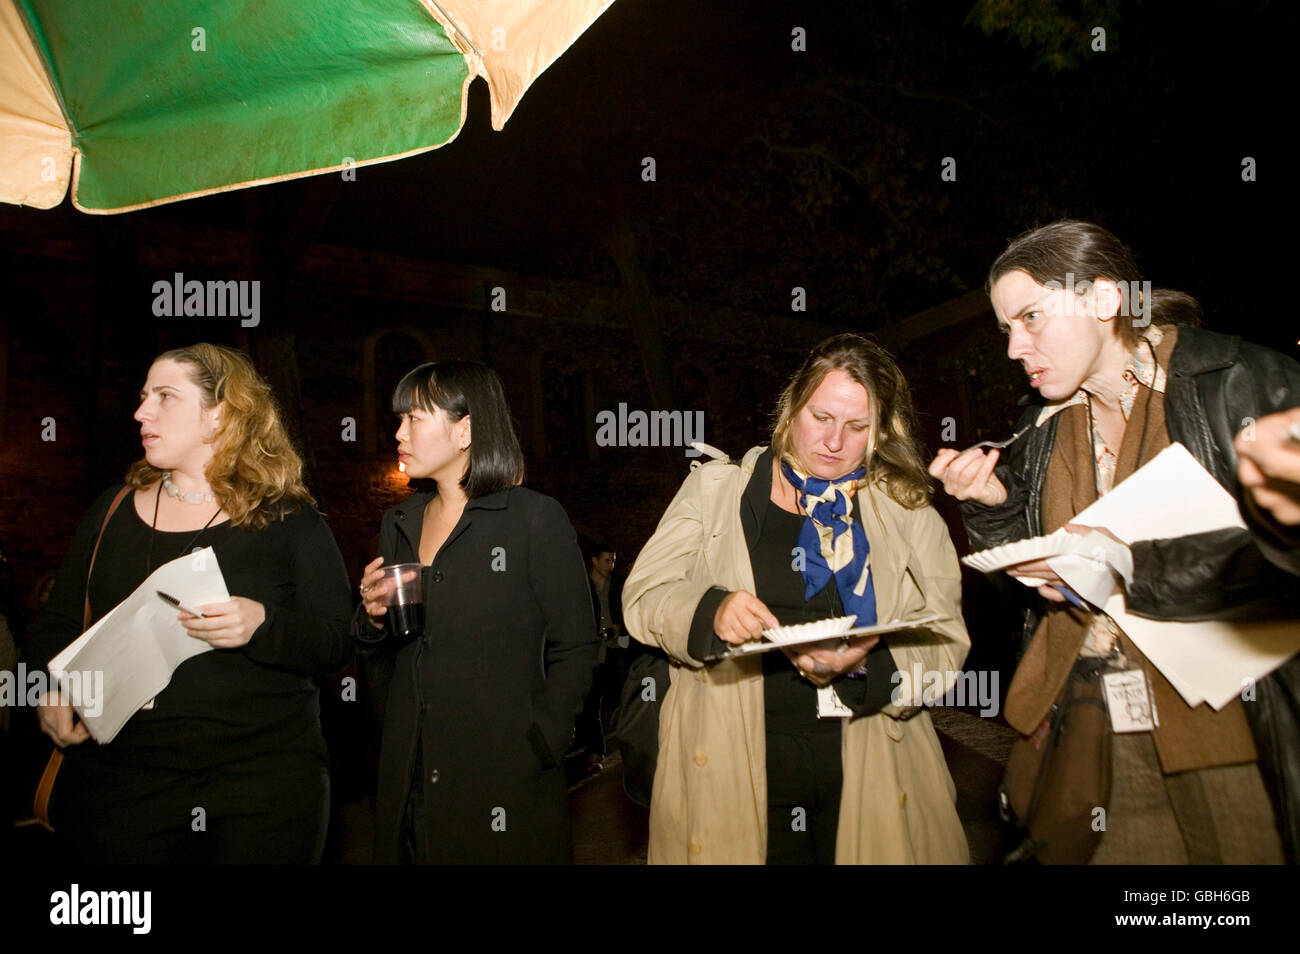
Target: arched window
387, 354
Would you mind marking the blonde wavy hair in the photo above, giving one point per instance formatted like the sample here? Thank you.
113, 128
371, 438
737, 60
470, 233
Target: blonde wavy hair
255, 472
895, 457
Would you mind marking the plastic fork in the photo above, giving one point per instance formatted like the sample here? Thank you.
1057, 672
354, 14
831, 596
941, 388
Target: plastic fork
999, 445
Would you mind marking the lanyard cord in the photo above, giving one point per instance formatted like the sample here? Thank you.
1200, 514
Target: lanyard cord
153, 527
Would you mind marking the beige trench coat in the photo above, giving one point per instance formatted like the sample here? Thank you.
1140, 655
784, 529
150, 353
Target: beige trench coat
709, 804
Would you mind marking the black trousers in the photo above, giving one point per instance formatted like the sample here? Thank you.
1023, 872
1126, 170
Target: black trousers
272, 810
804, 779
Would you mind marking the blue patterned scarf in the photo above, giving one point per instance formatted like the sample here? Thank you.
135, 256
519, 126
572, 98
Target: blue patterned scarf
827, 548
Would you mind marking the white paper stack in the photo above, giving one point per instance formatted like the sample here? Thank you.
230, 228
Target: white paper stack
1209, 661
139, 643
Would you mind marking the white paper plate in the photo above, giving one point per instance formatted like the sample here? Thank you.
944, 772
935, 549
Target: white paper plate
803, 632
828, 629
1060, 543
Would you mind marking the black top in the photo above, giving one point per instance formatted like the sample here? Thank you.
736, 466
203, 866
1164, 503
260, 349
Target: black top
789, 699
225, 705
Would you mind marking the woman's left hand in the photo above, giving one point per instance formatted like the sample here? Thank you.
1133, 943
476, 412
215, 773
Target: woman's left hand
822, 666
1051, 589
226, 625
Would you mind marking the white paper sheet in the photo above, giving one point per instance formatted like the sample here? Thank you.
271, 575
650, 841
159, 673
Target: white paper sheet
1209, 661
139, 643
1171, 495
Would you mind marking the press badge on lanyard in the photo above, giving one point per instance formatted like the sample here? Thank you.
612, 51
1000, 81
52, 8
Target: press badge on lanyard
1129, 700
829, 705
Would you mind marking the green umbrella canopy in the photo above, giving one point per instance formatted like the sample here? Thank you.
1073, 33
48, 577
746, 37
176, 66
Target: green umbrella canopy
137, 103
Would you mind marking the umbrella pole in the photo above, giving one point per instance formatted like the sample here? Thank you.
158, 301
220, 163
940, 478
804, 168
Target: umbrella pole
455, 26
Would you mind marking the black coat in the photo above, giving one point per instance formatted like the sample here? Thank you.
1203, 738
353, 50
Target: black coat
492, 688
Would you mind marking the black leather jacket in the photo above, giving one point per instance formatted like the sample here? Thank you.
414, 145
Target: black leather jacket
1216, 384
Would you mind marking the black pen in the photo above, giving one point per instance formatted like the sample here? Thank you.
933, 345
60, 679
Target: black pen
177, 604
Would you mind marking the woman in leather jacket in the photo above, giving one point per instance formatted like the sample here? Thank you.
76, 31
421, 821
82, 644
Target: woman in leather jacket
1122, 373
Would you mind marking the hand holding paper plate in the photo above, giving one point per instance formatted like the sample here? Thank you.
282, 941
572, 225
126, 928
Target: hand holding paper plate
1172, 495
823, 630
1060, 543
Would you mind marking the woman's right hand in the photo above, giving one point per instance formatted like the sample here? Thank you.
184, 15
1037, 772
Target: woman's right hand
741, 617
373, 592
968, 475
56, 721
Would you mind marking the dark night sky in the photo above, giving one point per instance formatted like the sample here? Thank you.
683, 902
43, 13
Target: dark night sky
775, 169
821, 168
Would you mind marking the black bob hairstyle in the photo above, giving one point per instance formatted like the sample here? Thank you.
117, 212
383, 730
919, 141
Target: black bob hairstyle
469, 388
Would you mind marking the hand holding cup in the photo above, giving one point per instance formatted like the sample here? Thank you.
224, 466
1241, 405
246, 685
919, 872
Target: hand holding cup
378, 583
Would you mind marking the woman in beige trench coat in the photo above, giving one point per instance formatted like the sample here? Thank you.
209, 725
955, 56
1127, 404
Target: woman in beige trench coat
848, 406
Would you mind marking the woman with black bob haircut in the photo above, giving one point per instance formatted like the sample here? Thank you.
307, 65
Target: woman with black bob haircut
480, 707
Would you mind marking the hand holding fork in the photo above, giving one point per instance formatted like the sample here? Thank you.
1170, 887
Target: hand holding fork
968, 474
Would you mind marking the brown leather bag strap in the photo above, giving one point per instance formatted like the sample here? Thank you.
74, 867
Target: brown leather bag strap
112, 509
41, 800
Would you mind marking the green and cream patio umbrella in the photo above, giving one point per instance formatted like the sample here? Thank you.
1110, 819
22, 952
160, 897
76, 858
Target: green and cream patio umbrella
139, 102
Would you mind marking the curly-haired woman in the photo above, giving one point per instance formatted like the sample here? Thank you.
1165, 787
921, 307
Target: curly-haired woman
229, 764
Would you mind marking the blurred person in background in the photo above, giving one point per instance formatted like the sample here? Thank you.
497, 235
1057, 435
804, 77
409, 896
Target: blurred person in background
1268, 467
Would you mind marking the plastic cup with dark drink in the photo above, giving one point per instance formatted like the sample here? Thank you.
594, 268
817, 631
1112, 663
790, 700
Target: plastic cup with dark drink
404, 599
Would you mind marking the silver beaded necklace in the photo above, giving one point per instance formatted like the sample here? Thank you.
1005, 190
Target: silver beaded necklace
153, 527
193, 497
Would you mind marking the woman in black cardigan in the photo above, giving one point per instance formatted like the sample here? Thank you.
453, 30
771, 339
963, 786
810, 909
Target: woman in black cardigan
229, 764
480, 707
